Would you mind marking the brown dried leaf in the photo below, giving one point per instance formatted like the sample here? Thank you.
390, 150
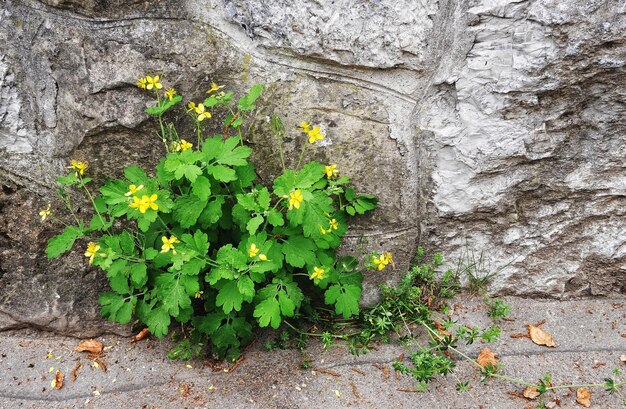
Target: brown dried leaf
583, 397
141, 335
486, 358
58, 380
530, 392
441, 329
75, 371
90, 345
540, 337
101, 364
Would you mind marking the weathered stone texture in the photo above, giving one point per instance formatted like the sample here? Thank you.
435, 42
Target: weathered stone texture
493, 124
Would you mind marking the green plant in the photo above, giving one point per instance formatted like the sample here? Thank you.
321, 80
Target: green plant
200, 243
498, 309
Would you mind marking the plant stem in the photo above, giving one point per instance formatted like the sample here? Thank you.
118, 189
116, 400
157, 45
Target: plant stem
301, 156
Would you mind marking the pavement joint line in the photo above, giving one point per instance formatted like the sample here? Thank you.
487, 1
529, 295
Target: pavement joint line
511, 354
82, 396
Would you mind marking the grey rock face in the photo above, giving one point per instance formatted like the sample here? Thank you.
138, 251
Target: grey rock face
495, 126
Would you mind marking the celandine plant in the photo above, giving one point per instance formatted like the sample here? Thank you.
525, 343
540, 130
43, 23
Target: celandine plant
202, 244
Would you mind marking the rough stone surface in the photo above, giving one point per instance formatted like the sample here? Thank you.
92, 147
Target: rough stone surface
494, 125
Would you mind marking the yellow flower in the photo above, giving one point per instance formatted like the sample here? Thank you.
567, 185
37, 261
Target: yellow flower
80, 167
132, 189
168, 244
191, 106
330, 170
388, 257
315, 134
323, 230
202, 113
215, 87
318, 273
198, 294
254, 250
144, 203
170, 93
92, 249
262, 257
333, 224
184, 145
141, 83
45, 213
381, 262
305, 126
295, 198
153, 82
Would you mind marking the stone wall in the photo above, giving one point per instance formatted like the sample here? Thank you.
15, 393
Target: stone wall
491, 126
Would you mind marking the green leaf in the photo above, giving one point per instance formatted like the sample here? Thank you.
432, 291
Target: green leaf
246, 103
69, 180
191, 172
345, 297
275, 218
299, 250
287, 306
245, 175
187, 210
209, 323
212, 213
248, 202
173, 291
163, 106
125, 313
229, 297
201, 188
263, 199
193, 267
310, 174
158, 321
245, 285
230, 261
222, 173
139, 275
268, 311
111, 303
198, 242
232, 154
136, 175
118, 276
350, 210
150, 253
315, 214
127, 243
63, 242
254, 223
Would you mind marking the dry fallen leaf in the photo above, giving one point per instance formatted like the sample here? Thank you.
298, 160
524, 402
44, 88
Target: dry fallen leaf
486, 358
90, 345
58, 380
530, 392
540, 337
100, 363
623, 358
75, 371
441, 329
583, 397
141, 335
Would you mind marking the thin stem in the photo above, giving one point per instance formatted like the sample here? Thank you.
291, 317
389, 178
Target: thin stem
301, 156
93, 203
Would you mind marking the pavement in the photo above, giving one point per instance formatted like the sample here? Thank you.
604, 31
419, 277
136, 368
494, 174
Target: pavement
590, 337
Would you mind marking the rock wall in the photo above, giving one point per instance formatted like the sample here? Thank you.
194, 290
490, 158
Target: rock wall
487, 126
